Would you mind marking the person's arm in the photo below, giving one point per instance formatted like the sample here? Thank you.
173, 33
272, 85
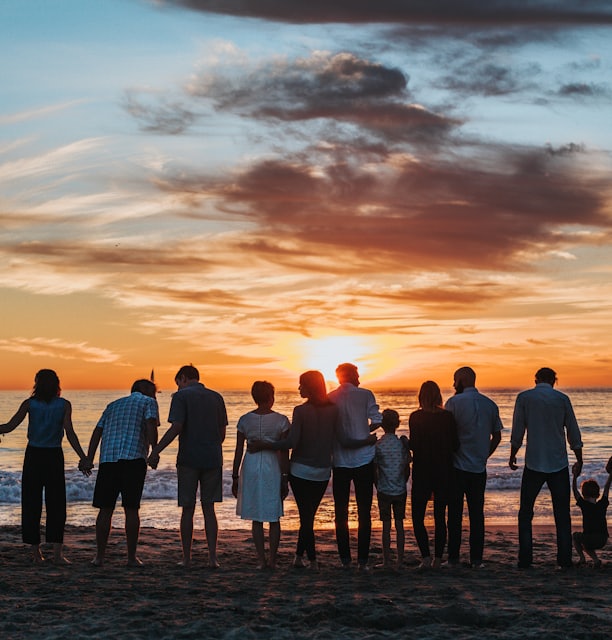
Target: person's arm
575, 486
237, 460
494, 442
606, 489
284, 466
512, 460
17, 419
374, 414
519, 425
151, 431
84, 464
176, 428
94, 441
577, 466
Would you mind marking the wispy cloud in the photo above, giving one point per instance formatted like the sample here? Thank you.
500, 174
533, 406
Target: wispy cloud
55, 348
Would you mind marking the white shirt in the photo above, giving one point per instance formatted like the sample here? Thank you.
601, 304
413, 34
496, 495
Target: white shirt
357, 408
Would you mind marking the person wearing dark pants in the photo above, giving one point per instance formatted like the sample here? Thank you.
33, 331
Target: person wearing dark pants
359, 415
547, 416
50, 416
479, 431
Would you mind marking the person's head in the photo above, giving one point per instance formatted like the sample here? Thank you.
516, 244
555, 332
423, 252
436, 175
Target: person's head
463, 378
146, 387
262, 392
590, 489
186, 375
390, 420
46, 385
546, 374
430, 397
312, 387
347, 372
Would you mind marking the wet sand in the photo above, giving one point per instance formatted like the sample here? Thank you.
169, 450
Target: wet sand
162, 600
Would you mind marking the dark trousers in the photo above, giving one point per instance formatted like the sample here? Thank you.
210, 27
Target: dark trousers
308, 495
419, 505
363, 481
559, 487
43, 469
472, 487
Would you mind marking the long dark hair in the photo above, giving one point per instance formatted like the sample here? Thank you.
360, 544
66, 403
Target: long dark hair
46, 385
313, 383
430, 397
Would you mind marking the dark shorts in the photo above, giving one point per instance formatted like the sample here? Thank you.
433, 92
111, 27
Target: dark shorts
591, 541
125, 477
387, 502
210, 482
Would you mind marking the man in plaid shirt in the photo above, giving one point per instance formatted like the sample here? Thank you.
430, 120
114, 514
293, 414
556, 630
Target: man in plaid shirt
127, 428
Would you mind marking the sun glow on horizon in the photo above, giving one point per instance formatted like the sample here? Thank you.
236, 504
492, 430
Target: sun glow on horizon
325, 354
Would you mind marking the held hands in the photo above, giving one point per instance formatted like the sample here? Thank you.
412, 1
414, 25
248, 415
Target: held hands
371, 439
576, 468
153, 460
85, 466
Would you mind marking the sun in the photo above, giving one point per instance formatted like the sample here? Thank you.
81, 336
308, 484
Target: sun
325, 354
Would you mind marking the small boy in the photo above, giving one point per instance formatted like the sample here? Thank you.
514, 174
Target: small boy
594, 533
392, 470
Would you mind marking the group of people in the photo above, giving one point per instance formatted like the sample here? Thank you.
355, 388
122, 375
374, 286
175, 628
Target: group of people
331, 435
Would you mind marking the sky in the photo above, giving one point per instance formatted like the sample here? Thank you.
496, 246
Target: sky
263, 187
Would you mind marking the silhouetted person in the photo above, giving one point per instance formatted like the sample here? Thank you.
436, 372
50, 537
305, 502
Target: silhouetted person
594, 534
127, 428
359, 415
479, 430
391, 473
50, 416
433, 440
261, 483
546, 415
199, 418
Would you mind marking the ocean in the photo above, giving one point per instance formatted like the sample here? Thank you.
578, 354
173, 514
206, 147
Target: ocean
593, 409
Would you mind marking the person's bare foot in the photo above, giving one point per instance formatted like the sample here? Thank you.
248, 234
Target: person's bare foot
61, 560
97, 562
214, 565
185, 564
37, 556
135, 562
437, 563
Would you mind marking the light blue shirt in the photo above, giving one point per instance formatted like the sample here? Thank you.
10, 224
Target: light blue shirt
357, 408
477, 418
123, 424
546, 415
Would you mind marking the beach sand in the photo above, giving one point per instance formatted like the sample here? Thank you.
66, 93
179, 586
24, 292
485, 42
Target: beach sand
162, 600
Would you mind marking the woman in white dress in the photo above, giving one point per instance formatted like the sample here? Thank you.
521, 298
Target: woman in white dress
261, 483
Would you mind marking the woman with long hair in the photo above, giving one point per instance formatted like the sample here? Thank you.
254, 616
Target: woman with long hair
433, 439
314, 427
50, 416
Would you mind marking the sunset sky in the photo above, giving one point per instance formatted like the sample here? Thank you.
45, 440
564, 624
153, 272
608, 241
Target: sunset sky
265, 186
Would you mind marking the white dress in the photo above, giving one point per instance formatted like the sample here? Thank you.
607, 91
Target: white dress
259, 485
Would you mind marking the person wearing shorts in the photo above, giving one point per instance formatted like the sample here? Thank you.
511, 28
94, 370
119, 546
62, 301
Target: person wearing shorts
127, 428
199, 418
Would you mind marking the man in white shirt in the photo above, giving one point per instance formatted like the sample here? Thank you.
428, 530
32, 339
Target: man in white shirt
479, 430
546, 415
359, 416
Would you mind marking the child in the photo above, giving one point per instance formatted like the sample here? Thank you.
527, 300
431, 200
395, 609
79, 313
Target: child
595, 530
261, 484
392, 470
